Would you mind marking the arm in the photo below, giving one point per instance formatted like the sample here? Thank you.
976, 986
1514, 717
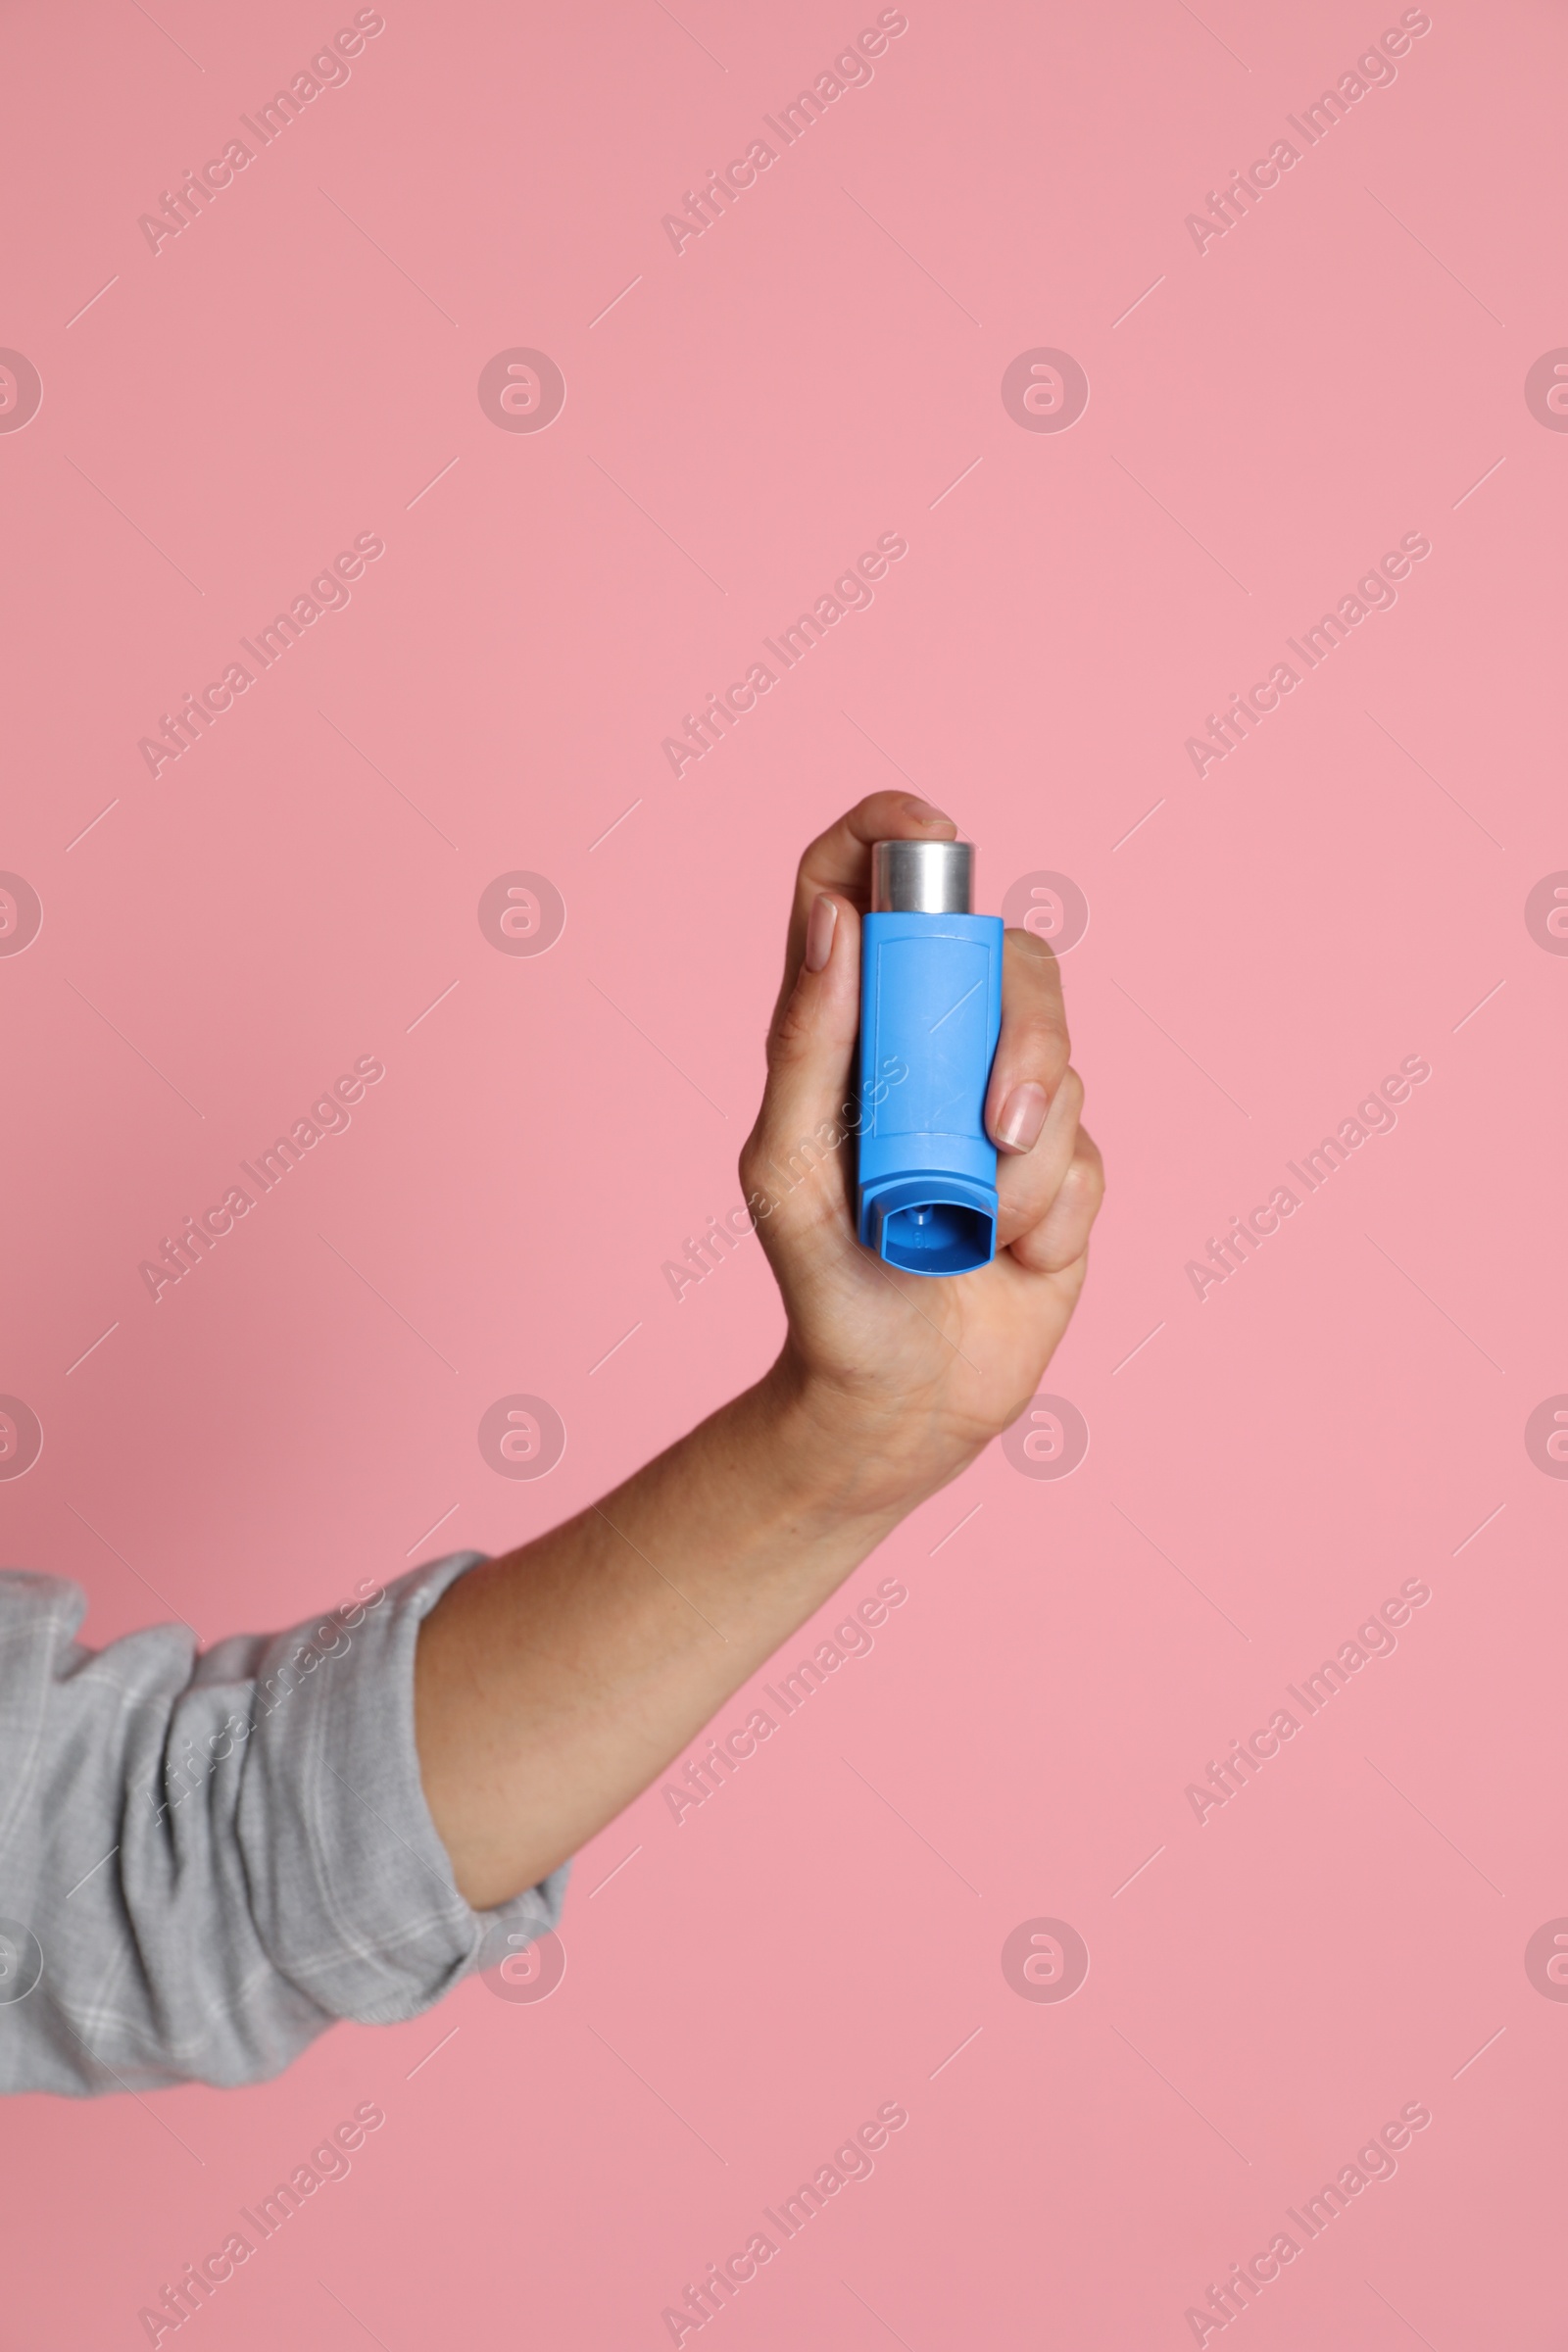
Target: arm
554, 1685
208, 1858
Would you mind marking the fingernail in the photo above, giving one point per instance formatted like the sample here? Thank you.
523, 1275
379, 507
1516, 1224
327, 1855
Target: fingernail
924, 813
1023, 1116
820, 933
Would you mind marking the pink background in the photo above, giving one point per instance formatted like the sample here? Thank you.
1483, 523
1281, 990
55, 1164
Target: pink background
1345, 366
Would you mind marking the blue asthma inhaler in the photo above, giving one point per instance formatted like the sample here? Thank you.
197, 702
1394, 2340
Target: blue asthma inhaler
930, 1015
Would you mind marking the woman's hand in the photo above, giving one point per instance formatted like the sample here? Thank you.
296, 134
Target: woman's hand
906, 1377
551, 1686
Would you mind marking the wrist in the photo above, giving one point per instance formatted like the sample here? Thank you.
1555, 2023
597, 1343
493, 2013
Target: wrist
844, 1457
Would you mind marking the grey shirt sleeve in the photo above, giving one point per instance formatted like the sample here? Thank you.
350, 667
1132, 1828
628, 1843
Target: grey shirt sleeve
209, 1857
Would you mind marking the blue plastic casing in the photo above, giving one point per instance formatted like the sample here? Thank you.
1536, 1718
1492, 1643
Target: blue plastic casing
930, 1015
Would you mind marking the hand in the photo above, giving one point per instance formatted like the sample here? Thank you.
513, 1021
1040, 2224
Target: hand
903, 1378
551, 1684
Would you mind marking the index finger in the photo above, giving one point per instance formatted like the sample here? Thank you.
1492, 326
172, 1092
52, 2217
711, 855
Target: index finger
1033, 1050
840, 860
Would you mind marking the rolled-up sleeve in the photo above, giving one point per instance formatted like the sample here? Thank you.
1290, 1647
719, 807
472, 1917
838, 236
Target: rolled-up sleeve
209, 1857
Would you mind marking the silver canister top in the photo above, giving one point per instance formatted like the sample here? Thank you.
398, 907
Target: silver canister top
922, 877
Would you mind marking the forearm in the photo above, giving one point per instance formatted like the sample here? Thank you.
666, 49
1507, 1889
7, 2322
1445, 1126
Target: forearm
553, 1685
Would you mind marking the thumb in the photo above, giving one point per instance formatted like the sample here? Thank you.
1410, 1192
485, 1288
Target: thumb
798, 1155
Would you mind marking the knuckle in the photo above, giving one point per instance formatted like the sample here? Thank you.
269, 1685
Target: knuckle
1084, 1184
789, 1034
754, 1171
1041, 1055
1029, 948
1069, 1090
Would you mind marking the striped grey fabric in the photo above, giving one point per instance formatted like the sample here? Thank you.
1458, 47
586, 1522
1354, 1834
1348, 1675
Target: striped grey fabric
209, 1857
